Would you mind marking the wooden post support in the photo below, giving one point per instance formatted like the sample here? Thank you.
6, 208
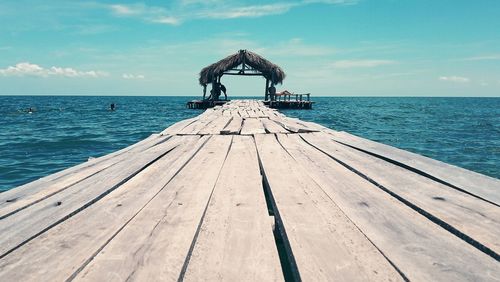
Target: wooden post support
266, 93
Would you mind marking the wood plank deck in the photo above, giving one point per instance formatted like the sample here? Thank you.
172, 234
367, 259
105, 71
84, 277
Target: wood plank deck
242, 192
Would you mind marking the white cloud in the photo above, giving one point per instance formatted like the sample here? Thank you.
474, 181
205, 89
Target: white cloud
123, 10
347, 64
458, 79
132, 76
166, 20
28, 69
249, 11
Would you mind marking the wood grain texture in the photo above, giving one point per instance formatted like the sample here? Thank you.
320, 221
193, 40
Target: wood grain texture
421, 249
252, 126
236, 240
477, 219
155, 244
472, 182
37, 218
325, 243
64, 249
15, 199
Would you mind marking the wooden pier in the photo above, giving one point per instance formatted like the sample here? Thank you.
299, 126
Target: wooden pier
244, 193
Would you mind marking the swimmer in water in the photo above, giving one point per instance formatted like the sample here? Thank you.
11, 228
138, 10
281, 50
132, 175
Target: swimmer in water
112, 106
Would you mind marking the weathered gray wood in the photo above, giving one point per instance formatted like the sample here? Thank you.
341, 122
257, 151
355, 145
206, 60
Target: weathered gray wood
62, 250
215, 126
155, 243
293, 126
475, 183
421, 249
11, 196
26, 195
206, 118
37, 218
273, 127
243, 113
233, 127
236, 240
252, 126
177, 127
325, 243
146, 216
469, 215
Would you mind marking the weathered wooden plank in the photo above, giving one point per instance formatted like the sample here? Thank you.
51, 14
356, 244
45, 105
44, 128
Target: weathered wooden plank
272, 127
155, 243
243, 113
26, 195
293, 126
12, 194
60, 252
468, 215
324, 242
252, 126
41, 216
236, 240
234, 126
206, 118
422, 250
215, 126
251, 113
480, 185
177, 127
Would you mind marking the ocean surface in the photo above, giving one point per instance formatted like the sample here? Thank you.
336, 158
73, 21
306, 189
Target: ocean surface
65, 130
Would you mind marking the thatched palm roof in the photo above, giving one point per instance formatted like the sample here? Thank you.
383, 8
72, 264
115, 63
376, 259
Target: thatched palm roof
269, 70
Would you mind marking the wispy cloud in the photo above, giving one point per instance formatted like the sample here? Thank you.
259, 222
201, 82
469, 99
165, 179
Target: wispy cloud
347, 64
248, 11
122, 10
186, 10
132, 76
491, 57
29, 69
457, 79
151, 14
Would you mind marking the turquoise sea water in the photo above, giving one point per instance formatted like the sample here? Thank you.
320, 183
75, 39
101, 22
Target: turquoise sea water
64, 130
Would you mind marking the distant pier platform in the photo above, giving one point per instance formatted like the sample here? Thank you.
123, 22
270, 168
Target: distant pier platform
204, 104
244, 193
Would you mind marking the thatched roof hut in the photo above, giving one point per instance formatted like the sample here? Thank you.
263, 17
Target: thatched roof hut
256, 65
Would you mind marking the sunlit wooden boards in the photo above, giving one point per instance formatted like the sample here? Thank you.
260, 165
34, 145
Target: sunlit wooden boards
23, 196
420, 248
468, 216
324, 242
242, 192
466, 180
236, 241
62, 251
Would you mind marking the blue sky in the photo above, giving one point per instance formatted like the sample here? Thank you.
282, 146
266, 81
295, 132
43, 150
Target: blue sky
328, 48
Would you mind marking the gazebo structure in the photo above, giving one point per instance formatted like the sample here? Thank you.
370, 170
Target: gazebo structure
244, 63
